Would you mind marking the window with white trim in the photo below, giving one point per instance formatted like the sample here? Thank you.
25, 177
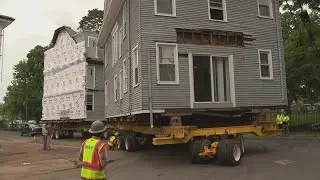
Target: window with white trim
120, 42
125, 76
120, 84
217, 10
167, 63
92, 41
135, 66
124, 20
115, 46
116, 88
265, 8
90, 102
265, 62
165, 7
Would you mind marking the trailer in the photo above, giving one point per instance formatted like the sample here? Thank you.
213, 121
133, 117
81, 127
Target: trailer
211, 137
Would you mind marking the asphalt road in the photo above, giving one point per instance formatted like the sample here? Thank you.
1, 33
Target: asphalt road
264, 159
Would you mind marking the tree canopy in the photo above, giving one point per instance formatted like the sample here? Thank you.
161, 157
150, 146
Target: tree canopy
23, 99
301, 34
92, 21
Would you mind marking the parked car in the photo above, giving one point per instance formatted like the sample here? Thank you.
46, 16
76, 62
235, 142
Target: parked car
30, 129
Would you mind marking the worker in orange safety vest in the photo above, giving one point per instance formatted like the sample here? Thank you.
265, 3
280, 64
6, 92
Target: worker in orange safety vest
93, 154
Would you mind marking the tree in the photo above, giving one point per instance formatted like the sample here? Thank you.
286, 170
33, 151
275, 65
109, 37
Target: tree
301, 55
23, 99
92, 21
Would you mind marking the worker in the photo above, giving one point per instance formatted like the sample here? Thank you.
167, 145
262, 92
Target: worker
283, 121
93, 154
113, 141
45, 136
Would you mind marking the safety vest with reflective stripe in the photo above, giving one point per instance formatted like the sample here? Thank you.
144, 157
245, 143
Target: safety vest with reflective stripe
281, 119
91, 167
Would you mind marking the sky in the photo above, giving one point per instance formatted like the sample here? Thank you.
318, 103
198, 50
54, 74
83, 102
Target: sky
36, 21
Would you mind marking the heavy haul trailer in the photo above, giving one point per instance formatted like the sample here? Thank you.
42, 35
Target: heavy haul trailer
208, 136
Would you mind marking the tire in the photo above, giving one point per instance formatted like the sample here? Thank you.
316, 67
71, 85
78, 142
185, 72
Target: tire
70, 134
130, 143
30, 134
229, 152
53, 135
57, 134
147, 141
120, 143
196, 147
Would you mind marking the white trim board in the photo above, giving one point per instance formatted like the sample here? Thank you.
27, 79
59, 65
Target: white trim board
137, 112
231, 75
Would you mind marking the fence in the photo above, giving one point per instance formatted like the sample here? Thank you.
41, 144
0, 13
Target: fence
304, 120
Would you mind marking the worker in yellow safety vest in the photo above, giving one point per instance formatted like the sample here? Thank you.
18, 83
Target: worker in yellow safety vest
93, 154
112, 143
283, 121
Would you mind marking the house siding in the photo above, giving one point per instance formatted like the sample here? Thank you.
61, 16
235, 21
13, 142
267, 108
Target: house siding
132, 100
242, 16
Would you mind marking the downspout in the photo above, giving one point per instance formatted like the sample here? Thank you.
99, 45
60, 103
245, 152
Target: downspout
150, 92
279, 55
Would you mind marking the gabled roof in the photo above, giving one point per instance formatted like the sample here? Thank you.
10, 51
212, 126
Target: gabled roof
6, 18
70, 31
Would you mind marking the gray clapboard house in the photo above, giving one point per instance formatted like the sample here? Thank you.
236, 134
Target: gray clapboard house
187, 55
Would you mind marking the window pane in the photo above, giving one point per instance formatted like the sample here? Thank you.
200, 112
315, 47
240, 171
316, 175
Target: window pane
221, 79
136, 76
216, 14
202, 79
167, 72
264, 2
164, 6
216, 3
264, 10
265, 70
89, 99
166, 54
264, 58
89, 107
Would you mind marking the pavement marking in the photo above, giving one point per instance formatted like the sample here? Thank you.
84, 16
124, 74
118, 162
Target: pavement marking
284, 162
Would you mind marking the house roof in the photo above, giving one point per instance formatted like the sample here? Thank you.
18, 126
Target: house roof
8, 18
5, 21
70, 31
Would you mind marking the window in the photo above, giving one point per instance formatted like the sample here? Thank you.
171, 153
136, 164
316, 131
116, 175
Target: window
116, 88
90, 101
92, 41
217, 10
167, 63
125, 76
265, 62
135, 66
120, 84
265, 8
124, 20
120, 42
165, 7
115, 46
90, 77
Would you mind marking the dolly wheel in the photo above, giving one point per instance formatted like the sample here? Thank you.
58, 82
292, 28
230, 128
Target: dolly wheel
241, 141
130, 143
229, 152
120, 143
196, 147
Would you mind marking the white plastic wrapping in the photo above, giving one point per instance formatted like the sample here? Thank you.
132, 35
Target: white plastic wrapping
64, 80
